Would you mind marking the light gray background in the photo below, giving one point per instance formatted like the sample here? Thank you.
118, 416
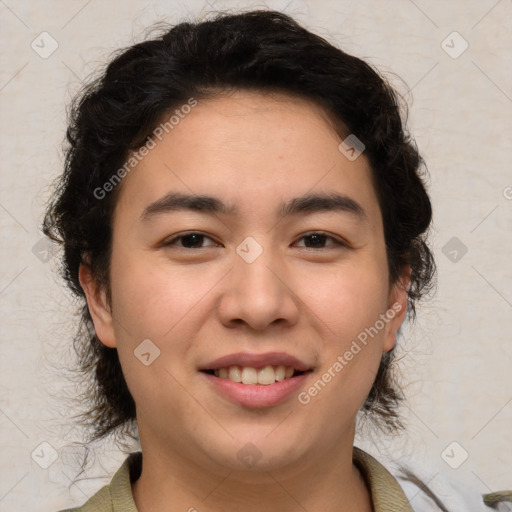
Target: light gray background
457, 358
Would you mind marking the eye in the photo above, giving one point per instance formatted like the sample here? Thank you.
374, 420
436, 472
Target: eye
194, 240
190, 240
318, 239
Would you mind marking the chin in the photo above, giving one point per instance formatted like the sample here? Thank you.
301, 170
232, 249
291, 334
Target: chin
252, 454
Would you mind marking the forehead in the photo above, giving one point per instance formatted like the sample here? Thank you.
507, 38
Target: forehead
253, 151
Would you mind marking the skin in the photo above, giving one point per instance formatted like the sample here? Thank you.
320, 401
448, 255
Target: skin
197, 304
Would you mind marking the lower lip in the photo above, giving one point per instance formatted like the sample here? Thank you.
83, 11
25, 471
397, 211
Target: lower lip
257, 395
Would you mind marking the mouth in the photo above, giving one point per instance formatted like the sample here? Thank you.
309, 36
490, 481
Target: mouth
257, 380
251, 376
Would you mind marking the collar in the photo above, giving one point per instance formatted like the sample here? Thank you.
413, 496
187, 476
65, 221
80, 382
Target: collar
386, 493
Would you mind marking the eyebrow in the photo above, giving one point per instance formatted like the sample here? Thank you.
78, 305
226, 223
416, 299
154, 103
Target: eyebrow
306, 205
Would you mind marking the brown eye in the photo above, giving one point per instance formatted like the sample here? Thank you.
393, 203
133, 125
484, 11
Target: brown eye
188, 241
318, 240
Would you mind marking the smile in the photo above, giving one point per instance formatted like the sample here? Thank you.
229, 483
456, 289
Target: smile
256, 380
250, 376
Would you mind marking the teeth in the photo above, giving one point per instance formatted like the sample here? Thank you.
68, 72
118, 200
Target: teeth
266, 376
280, 373
235, 374
248, 375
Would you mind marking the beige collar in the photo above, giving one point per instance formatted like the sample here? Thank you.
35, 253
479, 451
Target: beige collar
386, 493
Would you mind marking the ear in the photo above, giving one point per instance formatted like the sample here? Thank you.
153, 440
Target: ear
98, 306
397, 308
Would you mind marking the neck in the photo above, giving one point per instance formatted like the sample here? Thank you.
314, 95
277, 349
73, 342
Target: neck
169, 482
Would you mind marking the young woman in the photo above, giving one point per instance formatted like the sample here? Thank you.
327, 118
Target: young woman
244, 217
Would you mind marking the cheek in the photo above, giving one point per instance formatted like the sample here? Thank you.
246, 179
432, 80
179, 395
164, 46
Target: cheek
349, 304
167, 304
151, 296
348, 299
153, 302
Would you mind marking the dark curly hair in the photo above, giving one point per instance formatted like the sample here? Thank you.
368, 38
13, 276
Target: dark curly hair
263, 51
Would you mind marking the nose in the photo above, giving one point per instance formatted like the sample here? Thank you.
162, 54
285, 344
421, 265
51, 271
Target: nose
258, 294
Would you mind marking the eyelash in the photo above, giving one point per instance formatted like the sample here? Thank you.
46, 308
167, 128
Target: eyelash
336, 241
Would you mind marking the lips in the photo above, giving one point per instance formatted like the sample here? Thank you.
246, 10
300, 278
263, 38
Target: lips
256, 380
257, 361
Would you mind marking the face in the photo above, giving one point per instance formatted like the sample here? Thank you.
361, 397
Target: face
283, 265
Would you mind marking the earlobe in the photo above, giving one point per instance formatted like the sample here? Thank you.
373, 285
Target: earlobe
98, 306
397, 308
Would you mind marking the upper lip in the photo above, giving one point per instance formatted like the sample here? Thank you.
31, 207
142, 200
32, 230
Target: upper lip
257, 361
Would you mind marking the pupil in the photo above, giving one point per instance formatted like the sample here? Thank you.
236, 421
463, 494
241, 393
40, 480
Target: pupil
189, 237
318, 238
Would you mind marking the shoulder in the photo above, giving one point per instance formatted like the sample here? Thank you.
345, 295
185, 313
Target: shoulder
413, 491
100, 502
442, 492
116, 496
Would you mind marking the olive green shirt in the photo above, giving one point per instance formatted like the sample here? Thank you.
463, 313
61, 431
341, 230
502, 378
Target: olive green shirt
386, 493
